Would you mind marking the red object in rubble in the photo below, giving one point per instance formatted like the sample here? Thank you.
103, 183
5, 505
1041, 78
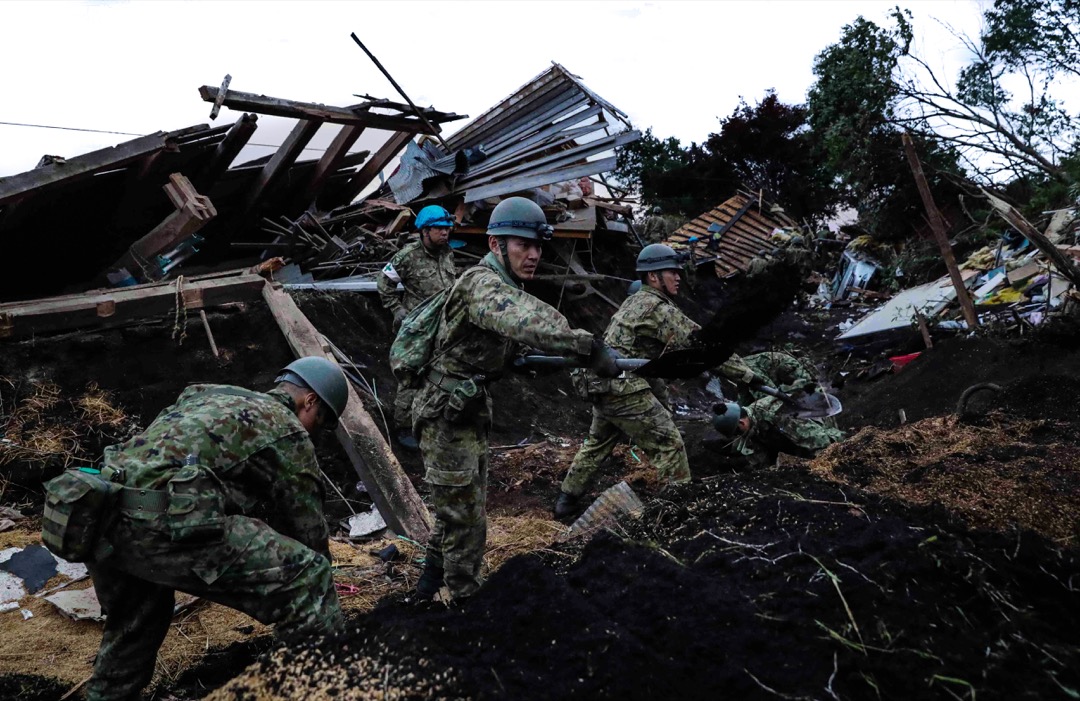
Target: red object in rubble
900, 361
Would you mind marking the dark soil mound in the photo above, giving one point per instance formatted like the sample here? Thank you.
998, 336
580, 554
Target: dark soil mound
932, 384
745, 586
27, 687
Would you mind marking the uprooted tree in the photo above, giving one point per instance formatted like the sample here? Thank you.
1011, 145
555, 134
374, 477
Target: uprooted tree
998, 121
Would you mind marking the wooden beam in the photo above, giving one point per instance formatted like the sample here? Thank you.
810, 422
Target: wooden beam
322, 113
937, 224
386, 482
1062, 262
50, 176
227, 151
122, 305
376, 163
193, 212
331, 160
279, 164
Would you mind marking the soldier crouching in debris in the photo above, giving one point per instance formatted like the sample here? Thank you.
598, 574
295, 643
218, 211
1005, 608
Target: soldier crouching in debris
188, 494
647, 324
423, 268
486, 315
761, 428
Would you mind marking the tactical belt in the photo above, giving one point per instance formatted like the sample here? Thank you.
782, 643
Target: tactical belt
145, 500
446, 382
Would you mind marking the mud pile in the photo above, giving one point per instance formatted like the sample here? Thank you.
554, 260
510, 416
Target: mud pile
745, 586
931, 384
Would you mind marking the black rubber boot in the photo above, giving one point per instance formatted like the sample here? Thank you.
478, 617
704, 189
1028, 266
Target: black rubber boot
566, 505
429, 584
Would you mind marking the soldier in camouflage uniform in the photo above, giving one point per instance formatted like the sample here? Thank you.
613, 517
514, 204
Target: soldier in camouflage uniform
647, 324
423, 268
253, 538
486, 317
764, 428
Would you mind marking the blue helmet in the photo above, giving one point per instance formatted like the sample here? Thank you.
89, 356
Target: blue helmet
434, 215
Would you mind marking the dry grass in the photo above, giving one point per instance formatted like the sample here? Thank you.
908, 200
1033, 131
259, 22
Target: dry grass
51, 645
997, 476
98, 409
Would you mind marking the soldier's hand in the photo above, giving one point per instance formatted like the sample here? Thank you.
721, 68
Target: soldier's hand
399, 316
602, 359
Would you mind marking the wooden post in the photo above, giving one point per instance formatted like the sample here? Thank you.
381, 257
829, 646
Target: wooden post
371, 457
1062, 262
924, 329
938, 227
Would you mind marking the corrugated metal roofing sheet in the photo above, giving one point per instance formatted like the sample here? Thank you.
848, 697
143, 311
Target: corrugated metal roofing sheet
746, 238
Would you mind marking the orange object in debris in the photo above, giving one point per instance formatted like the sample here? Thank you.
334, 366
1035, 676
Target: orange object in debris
900, 361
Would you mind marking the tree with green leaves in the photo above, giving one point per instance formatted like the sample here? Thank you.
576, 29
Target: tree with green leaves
767, 146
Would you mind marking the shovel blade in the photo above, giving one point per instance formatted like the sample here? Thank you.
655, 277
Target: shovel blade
817, 405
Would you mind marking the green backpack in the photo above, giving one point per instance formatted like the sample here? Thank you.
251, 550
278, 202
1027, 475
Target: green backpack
411, 351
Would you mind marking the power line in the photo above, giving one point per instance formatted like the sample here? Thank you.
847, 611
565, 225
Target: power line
124, 133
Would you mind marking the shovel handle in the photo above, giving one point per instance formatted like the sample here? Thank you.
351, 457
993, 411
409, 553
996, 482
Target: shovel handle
773, 392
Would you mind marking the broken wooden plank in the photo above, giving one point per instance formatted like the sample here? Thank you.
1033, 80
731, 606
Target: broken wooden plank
386, 482
1061, 261
227, 151
375, 164
295, 109
937, 225
331, 160
193, 212
50, 176
279, 164
122, 305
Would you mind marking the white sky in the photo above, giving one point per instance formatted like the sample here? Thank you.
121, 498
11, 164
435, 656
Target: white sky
674, 66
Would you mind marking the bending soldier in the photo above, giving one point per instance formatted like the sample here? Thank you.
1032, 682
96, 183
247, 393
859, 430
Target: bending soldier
761, 429
423, 268
222, 498
647, 324
485, 317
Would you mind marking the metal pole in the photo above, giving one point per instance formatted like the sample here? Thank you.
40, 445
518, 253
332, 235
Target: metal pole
424, 119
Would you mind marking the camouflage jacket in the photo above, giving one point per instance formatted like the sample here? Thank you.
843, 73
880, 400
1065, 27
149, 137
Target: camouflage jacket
486, 316
770, 425
647, 324
256, 447
421, 272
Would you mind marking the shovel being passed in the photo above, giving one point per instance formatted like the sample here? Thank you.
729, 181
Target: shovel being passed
692, 362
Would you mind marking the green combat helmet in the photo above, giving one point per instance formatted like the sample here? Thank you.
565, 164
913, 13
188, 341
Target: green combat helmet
322, 377
726, 418
517, 216
658, 256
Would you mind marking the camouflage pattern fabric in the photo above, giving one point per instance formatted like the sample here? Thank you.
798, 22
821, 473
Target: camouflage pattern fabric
486, 316
647, 324
272, 559
772, 430
640, 416
421, 272
656, 228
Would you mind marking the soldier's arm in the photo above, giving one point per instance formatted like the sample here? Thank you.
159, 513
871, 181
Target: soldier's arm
674, 328
387, 286
520, 317
736, 369
287, 473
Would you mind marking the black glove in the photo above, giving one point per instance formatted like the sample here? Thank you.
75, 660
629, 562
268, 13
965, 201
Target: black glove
399, 316
602, 359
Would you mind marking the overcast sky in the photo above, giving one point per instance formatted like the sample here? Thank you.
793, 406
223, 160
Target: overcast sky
675, 66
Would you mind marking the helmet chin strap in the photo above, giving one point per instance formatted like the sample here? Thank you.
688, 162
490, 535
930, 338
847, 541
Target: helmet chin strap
506, 260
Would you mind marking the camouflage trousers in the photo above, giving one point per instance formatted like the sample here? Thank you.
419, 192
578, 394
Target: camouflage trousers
456, 467
252, 568
403, 402
641, 417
